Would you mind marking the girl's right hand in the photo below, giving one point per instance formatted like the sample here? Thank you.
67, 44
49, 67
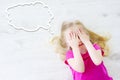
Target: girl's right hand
73, 40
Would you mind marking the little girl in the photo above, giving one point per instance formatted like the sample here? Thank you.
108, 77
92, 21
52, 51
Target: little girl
82, 50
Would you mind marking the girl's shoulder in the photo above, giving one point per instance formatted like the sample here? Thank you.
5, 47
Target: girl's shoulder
68, 52
97, 46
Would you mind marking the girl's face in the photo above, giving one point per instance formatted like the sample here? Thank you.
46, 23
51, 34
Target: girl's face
72, 29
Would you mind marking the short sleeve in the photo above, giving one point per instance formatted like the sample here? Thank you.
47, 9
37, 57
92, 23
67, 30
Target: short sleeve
97, 47
69, 54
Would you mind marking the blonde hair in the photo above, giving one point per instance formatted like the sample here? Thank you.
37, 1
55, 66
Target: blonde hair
60, 44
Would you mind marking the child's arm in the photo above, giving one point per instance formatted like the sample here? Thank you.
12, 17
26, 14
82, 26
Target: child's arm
96, 55
77, 62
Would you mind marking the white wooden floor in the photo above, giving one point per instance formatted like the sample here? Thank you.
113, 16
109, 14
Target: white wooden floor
26, 26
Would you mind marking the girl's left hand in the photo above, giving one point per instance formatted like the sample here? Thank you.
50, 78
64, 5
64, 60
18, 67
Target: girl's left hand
83, 36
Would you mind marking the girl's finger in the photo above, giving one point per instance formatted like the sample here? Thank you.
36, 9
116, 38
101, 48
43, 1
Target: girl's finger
79, 32
82, 31
68, 36
74, 34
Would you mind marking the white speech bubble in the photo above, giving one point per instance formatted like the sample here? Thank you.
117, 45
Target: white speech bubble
30, 16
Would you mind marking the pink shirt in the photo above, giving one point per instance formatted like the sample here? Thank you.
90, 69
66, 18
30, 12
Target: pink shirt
92, 72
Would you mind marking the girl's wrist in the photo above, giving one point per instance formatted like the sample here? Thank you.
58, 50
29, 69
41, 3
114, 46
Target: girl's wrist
86, 41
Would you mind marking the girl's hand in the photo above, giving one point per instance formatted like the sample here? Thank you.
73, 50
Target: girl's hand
73, 40
83, 36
